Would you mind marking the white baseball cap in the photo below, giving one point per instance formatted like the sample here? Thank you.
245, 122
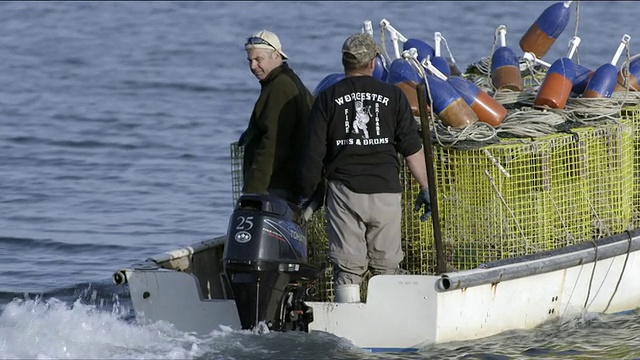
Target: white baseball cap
265, 40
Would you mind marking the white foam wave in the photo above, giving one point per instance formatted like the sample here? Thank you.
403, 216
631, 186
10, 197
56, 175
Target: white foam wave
52, 329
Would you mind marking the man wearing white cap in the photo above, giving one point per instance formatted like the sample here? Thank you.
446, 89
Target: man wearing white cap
278, 124
357, 128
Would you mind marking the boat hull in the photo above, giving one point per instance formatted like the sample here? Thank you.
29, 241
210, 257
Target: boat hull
407, 312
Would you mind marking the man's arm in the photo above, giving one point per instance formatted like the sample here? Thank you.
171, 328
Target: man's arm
418, 168
315, 149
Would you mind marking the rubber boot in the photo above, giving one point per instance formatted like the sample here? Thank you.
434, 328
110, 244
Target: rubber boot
347, 293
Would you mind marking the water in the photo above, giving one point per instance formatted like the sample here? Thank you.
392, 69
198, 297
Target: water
115, 125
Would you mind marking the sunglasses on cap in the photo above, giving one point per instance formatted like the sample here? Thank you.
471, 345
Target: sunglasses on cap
254, 40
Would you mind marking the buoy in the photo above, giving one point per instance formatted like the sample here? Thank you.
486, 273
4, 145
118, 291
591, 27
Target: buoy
448, 104
546, 29
442, 97
505, 70
557, 84
327, 81
581, 74
631, 78
424, 49
401, 70
580, 81
437, 60
605, 77
484, 106
409, 90
380, 71
404, 76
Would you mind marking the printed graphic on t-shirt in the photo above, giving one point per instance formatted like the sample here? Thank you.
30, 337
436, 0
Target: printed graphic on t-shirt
362, 119
365, 122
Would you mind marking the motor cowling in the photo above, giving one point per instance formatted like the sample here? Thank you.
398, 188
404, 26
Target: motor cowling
265, 262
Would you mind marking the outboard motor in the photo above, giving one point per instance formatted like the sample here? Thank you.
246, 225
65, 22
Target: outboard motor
265, 261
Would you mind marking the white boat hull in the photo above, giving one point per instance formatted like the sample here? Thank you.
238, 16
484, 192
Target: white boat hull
407, 312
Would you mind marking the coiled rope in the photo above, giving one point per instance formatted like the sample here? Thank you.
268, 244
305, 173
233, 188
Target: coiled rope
477, 132
592, 111
530, 122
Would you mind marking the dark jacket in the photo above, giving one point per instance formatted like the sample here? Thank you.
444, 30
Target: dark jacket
357, 128
273, 139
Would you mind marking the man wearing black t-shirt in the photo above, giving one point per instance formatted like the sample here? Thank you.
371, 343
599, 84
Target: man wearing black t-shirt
357, 127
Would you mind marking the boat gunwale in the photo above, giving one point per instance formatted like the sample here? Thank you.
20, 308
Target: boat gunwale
542, 262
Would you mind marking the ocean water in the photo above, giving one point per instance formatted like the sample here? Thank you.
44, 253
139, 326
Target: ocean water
115, 125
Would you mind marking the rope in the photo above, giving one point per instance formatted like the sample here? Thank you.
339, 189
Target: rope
484, 65
595, 258
446, 45
624, 266
489, 58
478, 74
478, 132
384, 46
592, 111
528, 122
506, 96
593, 271
536, 71
575, 31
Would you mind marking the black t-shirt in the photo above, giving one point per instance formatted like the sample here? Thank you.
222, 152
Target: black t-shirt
357, 127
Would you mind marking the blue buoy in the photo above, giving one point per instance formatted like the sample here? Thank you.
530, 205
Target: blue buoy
633, 76
401, 70
580, 81
505, 69
604, 79
602, 83
546, 29
328, 81
441, 64
487, 108
557, 84
380, 70
404, 76
424, 49
448, 104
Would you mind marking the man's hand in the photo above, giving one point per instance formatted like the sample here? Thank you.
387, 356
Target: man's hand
423, 199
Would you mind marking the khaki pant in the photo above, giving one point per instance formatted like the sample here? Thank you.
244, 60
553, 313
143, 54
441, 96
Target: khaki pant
363, 232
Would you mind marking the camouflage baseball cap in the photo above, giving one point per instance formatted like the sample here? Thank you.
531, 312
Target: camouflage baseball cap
360, 48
